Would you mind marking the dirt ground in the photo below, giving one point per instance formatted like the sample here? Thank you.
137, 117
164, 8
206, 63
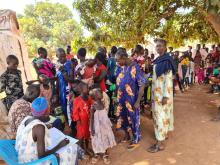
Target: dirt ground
195, 141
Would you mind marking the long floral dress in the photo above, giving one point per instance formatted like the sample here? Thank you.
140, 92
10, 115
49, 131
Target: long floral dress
129, 80
162, 114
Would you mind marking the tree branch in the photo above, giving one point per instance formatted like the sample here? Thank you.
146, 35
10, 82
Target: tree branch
150, 6
168, 13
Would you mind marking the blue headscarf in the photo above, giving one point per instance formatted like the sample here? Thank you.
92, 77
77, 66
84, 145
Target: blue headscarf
39, 107
164, 64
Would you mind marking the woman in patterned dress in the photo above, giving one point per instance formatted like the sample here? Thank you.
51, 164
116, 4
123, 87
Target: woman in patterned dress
130, 88
162, 95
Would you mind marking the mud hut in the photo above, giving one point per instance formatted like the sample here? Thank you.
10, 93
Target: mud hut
11, 42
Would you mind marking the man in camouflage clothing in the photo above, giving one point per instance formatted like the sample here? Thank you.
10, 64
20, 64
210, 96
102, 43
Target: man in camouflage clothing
11, 82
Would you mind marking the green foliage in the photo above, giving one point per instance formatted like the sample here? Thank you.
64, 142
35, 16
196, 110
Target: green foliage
50, 25
186, 27
128, 22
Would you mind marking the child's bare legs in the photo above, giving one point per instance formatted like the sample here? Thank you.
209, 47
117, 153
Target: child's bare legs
88, 150
86, 147
84, 144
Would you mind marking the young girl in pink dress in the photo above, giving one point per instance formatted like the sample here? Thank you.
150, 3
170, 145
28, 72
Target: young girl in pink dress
100, 127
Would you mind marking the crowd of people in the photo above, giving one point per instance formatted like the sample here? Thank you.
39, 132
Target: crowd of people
91, 96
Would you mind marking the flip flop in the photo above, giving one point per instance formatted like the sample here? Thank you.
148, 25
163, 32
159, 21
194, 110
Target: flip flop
215, 119
133, 146
94, 159
106, 159
155, 148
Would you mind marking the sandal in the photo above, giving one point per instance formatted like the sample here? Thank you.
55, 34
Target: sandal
133, 146
95, 159
216, 119
155, 148
106, 159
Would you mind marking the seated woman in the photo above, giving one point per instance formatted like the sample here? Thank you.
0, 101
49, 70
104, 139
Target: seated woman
33, 138
22, 108
215, 80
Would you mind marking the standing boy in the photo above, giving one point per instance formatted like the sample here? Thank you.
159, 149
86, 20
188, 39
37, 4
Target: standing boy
11, 82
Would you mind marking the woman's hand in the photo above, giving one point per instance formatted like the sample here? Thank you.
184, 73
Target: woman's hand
49, 126
64, 142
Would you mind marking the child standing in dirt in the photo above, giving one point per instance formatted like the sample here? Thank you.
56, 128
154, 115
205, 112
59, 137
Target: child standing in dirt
81, 114
101, 128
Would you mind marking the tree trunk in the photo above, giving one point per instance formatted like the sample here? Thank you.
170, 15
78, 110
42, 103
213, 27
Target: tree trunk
214, 19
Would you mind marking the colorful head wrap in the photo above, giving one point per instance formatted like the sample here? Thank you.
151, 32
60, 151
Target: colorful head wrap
39, 107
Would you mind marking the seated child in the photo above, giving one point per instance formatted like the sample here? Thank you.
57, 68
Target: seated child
216, 71
81, 114
11, 82
43, 65
101, 128
215, 80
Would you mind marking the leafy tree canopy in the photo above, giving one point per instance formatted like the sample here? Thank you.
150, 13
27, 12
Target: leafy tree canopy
128, 22
50, 25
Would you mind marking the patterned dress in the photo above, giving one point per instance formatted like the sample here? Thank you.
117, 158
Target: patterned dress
27, 147
19, 110
11, 83
162, 114
129, 80
104, 137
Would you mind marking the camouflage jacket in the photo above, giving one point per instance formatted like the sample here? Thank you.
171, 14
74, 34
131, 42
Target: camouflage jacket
11, 84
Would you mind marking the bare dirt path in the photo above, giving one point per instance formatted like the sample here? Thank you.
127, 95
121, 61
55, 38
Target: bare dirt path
195, 141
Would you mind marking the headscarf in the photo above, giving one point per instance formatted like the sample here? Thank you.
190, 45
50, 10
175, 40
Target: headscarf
164, 64
39, 107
